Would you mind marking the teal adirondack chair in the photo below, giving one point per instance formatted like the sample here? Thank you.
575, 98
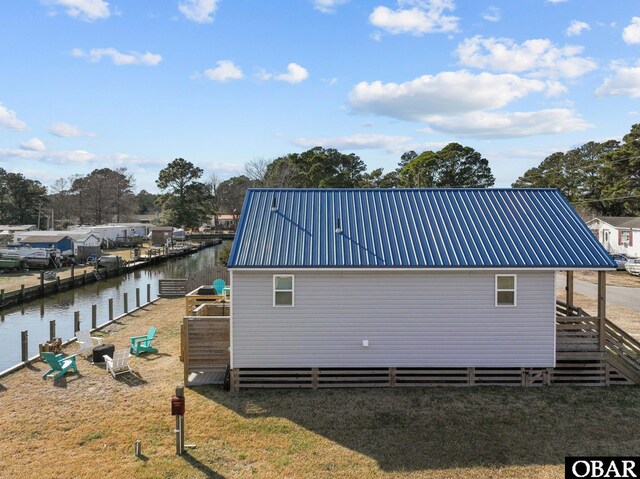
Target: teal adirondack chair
219, 285
59, 364
142, 344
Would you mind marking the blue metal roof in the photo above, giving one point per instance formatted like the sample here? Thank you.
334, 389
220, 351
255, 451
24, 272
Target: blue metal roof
413, 228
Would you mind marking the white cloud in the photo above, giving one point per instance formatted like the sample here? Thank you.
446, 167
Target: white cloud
625, 81
327, 6
8, 119
537, 57
55, 157
554, 88
631, 33
447, 93
34, 144
295, 74
87, 10
118, 58
226, 70
509, 124
416, 17
65, 130
199, 11
576, 27
556, 1
362, 141
492, 14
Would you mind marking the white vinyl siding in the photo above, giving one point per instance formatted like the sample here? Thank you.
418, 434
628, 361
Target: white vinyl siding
410, 318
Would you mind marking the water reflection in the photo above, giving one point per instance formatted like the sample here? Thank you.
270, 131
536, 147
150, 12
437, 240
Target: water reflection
36, 315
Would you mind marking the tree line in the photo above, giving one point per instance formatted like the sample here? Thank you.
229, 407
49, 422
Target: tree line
601, 177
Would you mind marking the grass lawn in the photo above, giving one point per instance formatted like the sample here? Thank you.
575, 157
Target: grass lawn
86, 425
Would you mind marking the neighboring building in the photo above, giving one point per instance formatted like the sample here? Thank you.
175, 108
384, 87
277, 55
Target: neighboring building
225, 222
402, 278
161, 235
618, 234
62, 242
86, 244
115, 234
16, 228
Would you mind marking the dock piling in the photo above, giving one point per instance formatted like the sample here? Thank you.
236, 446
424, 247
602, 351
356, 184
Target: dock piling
148, 292
22, 293
126, 303
110, 309
73, 275
24, 339
41, 283
94, 316
76, 321
137, 297
52, 330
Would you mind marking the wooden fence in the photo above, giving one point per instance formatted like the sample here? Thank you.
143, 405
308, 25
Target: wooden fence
207, 276
205, 349
171, 288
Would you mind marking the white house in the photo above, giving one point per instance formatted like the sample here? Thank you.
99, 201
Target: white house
618, 234
402, 278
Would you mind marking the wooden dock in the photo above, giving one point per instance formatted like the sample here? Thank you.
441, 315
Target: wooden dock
47, 288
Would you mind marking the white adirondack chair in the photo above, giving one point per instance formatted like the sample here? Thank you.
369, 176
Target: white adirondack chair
120, 362
86, 342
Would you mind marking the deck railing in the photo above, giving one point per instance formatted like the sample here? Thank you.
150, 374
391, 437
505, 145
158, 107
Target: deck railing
577, 331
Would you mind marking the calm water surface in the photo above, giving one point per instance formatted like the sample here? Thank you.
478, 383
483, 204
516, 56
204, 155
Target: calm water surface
34, 316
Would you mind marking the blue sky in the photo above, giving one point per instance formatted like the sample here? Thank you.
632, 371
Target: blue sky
92, 83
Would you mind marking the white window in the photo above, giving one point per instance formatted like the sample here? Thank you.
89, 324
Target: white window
624, 236
282, 290
506, 288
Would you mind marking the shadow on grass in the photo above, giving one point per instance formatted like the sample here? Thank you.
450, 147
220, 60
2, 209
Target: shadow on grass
153, 356
63, 382
441, 428
132, 379
210, 473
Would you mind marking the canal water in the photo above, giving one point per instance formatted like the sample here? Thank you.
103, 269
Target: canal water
34, 316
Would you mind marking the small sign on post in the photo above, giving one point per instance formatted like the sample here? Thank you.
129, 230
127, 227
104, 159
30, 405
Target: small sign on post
177, 410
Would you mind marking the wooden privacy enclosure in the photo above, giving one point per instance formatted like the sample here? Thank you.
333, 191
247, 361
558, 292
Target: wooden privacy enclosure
205, 345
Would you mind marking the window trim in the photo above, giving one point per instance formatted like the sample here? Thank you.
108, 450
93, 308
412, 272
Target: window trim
514, 290
292, 290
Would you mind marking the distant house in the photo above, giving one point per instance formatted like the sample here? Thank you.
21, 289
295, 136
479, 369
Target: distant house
618, 234
225, 222
161, 235
402, 278
62, 242
86, 244
16, 228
